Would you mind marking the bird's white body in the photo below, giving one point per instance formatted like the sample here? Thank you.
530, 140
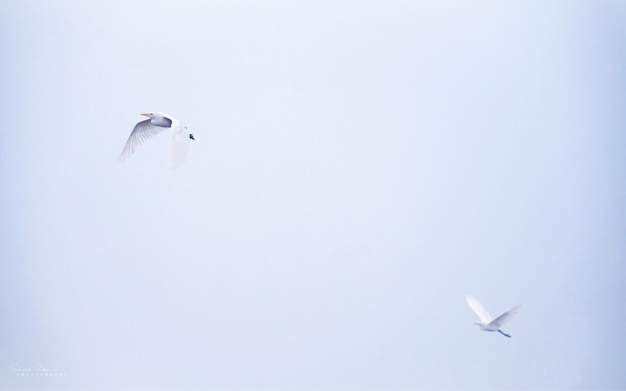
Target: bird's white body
157, 123
487, 323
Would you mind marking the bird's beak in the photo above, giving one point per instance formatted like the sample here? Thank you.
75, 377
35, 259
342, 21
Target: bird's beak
145, 114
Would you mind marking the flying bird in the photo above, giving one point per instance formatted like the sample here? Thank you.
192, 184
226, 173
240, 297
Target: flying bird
155, 124
487, 323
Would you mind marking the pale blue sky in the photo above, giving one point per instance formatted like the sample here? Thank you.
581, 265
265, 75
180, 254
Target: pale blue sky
359, 167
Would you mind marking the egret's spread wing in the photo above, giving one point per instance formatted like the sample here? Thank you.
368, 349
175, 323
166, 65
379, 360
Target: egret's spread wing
178, 148
502, 319
478, 309
141, 132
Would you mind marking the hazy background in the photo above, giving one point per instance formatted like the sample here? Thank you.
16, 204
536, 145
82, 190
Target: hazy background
359, 167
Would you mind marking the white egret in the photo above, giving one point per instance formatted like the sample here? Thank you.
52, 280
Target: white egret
487, 323
155, 124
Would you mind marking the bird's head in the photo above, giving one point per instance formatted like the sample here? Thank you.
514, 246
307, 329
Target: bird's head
147, 114
478, 324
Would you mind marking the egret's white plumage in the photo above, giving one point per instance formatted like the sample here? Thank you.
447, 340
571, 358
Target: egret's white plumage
155, 124
486, 322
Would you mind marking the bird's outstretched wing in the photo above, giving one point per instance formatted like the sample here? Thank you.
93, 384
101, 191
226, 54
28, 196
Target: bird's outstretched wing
179, 146
478, 309
502, 319
141, 132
